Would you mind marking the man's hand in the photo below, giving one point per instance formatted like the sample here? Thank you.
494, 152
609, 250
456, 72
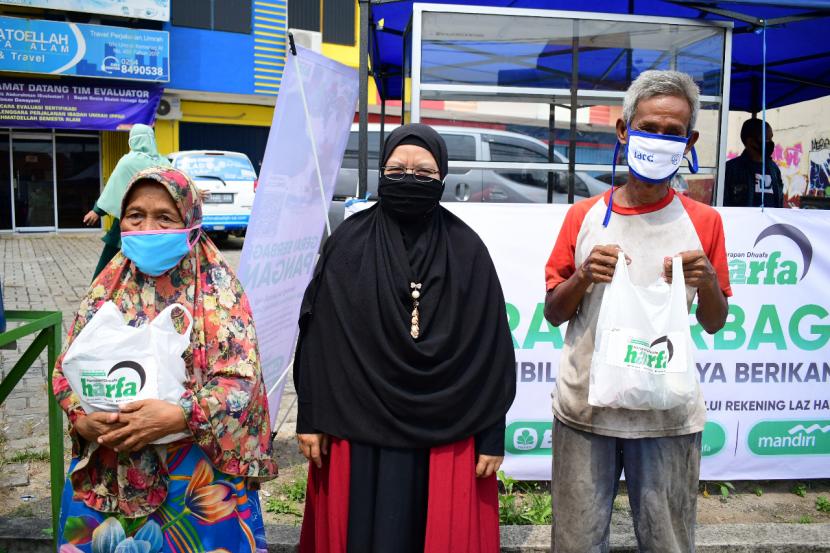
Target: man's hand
203, 194
313, 447
93, 425
487, 465
142, 423
600, 265
697, 270
712, 307
91, 218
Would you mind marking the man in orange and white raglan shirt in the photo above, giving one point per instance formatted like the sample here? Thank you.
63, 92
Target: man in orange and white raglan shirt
659, 450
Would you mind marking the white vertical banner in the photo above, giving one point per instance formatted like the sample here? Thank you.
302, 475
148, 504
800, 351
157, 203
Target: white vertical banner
296, 184
765, 375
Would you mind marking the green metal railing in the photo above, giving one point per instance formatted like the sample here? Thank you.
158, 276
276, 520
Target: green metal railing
47, 326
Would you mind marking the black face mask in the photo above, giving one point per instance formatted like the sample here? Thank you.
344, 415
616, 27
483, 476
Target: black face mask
408, 199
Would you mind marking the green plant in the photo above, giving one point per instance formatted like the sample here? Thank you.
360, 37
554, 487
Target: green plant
805, 519
295, 490
822, 504
723, 488
758, 490
509, 512
523, 502
507, 483
800, 489
282, 507
28, 456
537, 509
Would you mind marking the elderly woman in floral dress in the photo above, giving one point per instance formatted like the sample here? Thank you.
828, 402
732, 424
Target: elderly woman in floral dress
124, 493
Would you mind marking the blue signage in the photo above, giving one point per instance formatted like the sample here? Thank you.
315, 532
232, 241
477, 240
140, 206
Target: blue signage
63, 48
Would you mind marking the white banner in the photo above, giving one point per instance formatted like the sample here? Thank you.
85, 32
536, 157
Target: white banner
765, 376
291, 203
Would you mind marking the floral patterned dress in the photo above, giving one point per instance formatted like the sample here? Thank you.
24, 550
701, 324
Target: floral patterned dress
190, 495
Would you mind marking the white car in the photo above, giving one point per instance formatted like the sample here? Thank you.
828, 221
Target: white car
231, 180
474, 185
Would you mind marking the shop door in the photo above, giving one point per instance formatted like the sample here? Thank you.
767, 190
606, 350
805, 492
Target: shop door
5, 184
33, 182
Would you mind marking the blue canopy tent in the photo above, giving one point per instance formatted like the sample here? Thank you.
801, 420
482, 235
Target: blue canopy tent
797, 67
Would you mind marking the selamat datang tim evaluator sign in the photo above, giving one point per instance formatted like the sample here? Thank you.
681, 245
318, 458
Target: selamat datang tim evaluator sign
63, 48
765, 375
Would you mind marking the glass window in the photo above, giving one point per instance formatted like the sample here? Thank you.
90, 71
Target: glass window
222, 166
353, 147
338, 21
233, 16
34, 183
504, 149
460, 147
78, 163
191, 13
537, 52
512, 73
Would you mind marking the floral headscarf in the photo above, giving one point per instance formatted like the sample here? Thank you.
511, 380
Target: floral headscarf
225, 402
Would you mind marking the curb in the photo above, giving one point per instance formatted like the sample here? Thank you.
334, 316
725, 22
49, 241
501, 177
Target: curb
30, 535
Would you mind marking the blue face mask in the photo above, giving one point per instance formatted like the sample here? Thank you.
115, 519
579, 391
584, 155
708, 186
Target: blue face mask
155, 252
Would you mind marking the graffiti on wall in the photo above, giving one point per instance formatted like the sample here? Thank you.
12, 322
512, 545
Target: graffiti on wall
788, 159
819, 167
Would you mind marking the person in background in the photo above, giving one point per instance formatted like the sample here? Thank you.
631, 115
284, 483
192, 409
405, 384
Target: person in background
405, 370
143, 154
195, 494
659, 450
743, 185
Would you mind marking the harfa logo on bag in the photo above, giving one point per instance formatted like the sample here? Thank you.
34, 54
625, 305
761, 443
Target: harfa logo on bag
760, 266
124, 380
793, 437
653, 356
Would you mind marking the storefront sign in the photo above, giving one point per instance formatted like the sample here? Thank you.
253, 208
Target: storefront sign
77, 103
765, 375
158, 10
62, 48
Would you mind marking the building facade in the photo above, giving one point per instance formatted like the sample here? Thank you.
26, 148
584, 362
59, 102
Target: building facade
76, 74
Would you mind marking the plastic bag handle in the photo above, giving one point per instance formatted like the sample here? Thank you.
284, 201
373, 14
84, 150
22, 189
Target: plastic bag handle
678, 279
169, 310
622, 266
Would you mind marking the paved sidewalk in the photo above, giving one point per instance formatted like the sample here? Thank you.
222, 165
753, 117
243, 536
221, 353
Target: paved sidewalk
52, 272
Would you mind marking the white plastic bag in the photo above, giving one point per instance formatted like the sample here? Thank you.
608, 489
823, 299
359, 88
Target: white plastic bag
111, 363
643, 350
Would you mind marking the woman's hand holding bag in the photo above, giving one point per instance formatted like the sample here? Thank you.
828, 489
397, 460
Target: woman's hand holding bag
130, 379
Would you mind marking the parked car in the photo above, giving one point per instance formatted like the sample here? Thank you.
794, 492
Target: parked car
473, 185
231, 180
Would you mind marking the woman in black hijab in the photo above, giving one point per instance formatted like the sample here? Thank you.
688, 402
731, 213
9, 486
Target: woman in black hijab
405, 371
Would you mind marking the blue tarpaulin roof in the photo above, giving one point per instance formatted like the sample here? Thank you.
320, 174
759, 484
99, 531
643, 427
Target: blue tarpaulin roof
798, 53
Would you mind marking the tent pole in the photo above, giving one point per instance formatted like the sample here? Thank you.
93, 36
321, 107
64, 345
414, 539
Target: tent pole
551, 147
363, 102
574, 102
382, 124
